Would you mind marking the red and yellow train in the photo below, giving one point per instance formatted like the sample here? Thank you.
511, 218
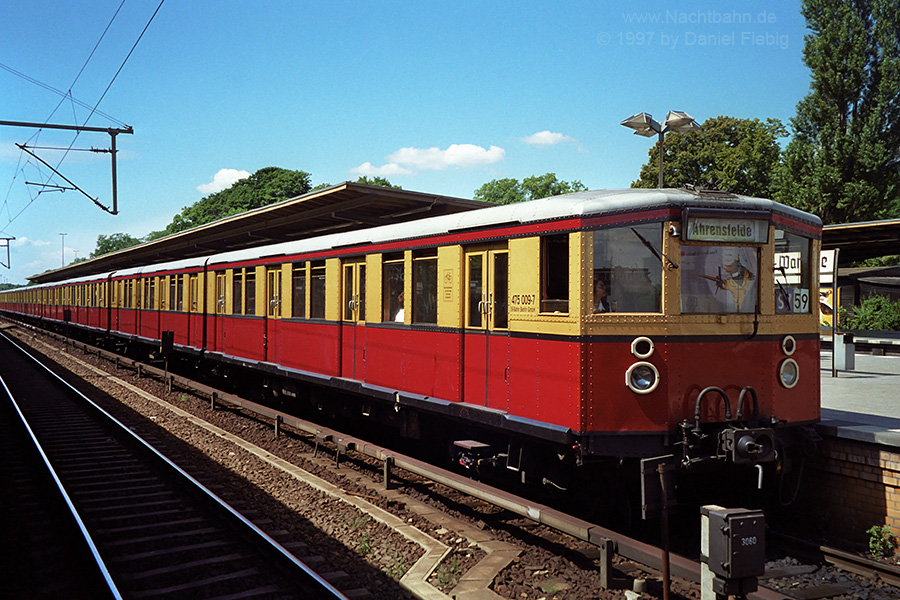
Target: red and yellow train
538, 338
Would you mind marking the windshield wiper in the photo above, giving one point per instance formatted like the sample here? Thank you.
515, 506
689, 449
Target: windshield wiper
657, 253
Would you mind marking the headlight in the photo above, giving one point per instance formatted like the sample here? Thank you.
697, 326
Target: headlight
642, 347
788, 345
788, 373
642, 377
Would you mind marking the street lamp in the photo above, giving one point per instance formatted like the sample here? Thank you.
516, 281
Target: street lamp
676, 120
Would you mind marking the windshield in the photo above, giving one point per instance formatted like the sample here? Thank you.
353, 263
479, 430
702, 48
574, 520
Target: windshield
628, 269
719, 279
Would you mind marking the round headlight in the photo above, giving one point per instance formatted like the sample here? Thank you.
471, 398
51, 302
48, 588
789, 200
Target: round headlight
788, 345
642, 347
788, 372
642, 377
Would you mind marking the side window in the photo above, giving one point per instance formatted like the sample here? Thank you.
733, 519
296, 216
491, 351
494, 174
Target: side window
250, 291
317, 290
298, 290
194, 291
221, 283
392, 287
424, 286
793, 275
173, 282
628, 269
237, 292
150, 293
555, 273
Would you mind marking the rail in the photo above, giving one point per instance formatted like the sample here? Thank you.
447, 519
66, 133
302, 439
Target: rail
608, 541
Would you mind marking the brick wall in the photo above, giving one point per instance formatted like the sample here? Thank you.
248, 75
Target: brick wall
850, 486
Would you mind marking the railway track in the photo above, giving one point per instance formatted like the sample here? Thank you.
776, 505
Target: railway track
147, 528
341, 446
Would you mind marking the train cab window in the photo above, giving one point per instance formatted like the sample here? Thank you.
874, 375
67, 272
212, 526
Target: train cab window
628, 268
555, 273
317, 290
719, 279
392, 287
298, 290
424, 285
793, 273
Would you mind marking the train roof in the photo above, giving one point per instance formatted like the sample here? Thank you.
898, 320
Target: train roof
578, 204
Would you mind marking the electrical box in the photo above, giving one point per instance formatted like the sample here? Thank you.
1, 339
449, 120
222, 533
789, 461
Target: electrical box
737, 542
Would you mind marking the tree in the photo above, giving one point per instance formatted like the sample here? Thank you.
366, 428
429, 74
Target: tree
509, 191
266, 186
112, 243
378, 181
738, 155
842, 162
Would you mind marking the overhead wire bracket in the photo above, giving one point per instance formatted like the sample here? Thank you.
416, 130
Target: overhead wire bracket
113, 132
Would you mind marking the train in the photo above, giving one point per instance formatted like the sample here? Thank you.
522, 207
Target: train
540, 341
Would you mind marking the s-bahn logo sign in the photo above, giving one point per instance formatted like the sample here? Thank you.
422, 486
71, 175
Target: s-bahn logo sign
702, 228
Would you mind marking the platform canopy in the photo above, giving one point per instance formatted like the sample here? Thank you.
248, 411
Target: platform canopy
329, 210
858, 241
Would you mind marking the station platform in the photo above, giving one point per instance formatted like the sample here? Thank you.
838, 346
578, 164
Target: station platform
862, 404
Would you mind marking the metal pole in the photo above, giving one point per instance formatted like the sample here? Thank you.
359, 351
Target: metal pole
661, 468
660, 184
62, 251
115, 187
834, 313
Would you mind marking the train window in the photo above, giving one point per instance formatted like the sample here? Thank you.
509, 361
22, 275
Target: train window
298, 290
250, 292
628, 269
273, 287
719, 279
317, 290
150, 293
424, 286
221, 283
194, 292
555, 273
793, 275
392, 287
237, 292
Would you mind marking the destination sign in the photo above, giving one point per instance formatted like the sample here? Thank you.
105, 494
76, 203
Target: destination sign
702, 228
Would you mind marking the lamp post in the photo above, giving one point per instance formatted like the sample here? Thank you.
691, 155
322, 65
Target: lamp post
63, 249
676, 120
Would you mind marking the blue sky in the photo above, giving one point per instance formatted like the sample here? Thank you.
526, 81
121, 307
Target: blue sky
438, 97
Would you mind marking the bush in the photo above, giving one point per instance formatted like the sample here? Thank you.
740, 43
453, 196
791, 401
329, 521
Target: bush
874, 313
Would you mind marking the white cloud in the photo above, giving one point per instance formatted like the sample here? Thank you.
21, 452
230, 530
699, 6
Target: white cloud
369, 170
547, 138
405, 160
25, 241
222, 180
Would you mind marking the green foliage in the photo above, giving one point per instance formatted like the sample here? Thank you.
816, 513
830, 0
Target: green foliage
113, 243
266, 186
881, 542
510, 191
842, 161
874, 313
378, 181
738, 155
891, 260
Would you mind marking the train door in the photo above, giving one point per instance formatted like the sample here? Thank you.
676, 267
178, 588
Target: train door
486, 344
273, 313
353, 318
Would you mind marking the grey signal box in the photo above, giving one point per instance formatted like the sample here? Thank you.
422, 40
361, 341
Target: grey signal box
737, 542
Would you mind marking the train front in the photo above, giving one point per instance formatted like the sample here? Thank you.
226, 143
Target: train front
703, 337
